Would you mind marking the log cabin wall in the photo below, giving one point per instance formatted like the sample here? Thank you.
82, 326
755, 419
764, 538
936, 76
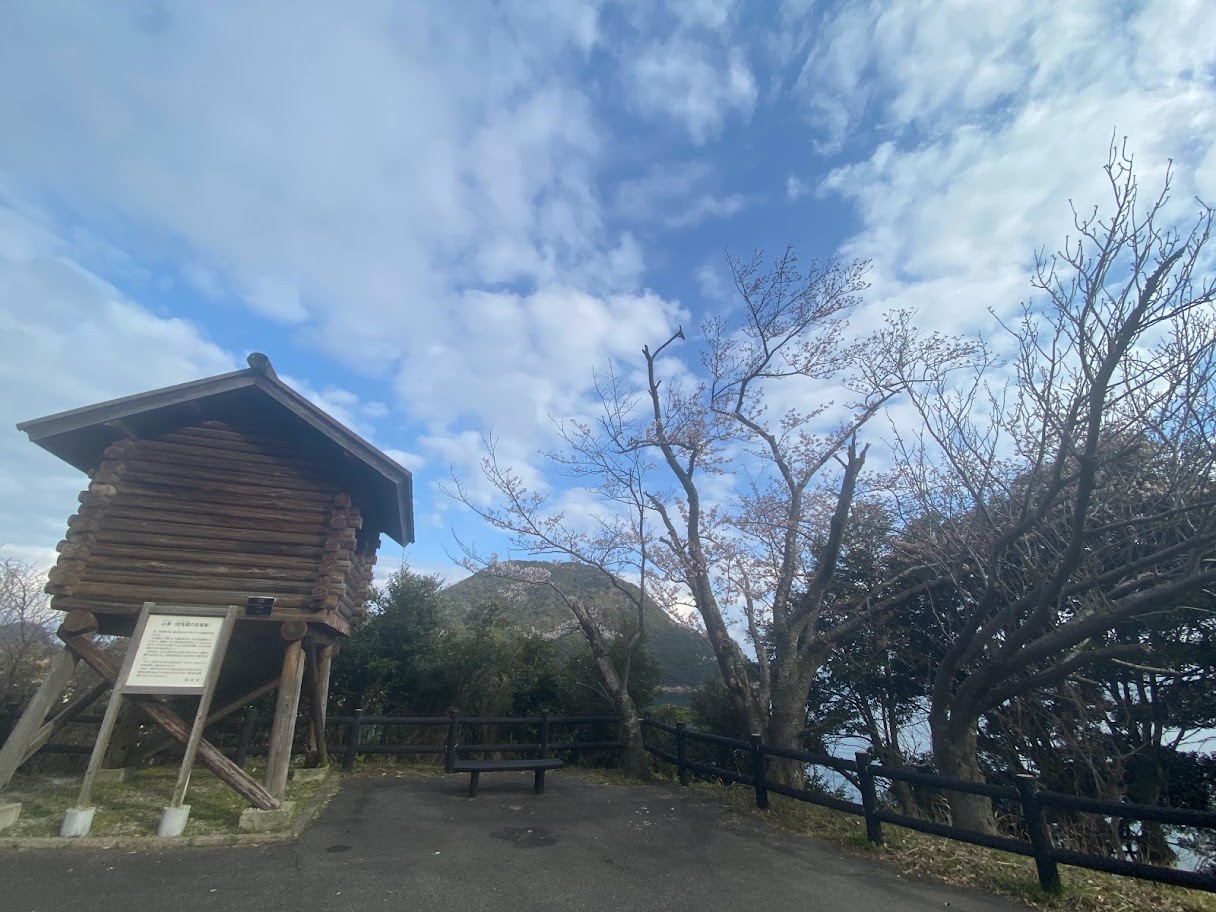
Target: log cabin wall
209, 515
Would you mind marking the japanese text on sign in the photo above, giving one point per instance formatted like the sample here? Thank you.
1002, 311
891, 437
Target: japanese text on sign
175, 652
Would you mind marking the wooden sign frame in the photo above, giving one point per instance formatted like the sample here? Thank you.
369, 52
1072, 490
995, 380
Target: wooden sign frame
141, 649
205, 690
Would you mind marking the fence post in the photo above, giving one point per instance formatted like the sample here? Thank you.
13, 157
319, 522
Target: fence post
449, 748
681, 753
759, 774
1040, 837
248, 724
353, 733
869, 797
544, 735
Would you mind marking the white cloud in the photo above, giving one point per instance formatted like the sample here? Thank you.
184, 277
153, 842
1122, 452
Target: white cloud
358, 160
694, 82
707, 207
554, 338
712, 281
341, 404
412, 461
955, 208
373, 178
708, 14
202, 280
795, 189
276, 300
934, 67
676, 196
67, 339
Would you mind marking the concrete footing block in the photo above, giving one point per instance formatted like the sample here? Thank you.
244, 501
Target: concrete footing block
173, 821
77, 822
9, 813
309, 775
255, 820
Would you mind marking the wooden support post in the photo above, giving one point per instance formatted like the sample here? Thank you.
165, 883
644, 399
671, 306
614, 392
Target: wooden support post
208, 754
318, 689
544, 740
79, 704
103, 737
283, 729
27, 729
200, 715
218, 715
869, 797
325, 664
759, 773
1040, 837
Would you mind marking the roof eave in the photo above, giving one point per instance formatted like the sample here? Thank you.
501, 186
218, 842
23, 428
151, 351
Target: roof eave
73, 419
42, 431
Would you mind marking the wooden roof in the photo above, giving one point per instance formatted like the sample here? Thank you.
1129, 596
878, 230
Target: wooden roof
253, 397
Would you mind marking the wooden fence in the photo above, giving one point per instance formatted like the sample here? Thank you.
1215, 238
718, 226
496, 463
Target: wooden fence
354, 728
1031, 800
751, 771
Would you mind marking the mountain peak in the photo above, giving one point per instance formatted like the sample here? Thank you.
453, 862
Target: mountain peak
684, 656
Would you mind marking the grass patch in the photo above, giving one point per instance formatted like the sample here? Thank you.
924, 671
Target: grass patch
133, 807
921, 855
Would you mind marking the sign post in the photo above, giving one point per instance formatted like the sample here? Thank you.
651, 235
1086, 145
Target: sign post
174, 651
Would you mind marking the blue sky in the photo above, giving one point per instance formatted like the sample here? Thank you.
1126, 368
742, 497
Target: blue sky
437, 219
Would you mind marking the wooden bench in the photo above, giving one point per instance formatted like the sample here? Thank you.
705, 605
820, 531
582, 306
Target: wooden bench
476, 767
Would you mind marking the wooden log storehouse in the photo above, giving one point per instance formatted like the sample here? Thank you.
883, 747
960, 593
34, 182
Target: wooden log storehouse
230, 490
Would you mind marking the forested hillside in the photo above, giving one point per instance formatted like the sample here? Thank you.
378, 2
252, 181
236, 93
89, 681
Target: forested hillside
683, 654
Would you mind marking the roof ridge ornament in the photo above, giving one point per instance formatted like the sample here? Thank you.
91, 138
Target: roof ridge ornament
260, 363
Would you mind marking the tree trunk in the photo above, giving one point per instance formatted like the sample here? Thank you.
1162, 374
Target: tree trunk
616, 683
636, 763
954, 754
1145, 778
787, 724
889, 755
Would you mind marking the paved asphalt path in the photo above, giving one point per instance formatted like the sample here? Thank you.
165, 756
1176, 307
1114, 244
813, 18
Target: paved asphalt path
419, 844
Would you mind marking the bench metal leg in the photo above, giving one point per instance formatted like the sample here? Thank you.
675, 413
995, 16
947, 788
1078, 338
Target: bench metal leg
473, 777
538, 786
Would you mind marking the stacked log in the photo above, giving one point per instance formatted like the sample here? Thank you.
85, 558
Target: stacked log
76, 549
210, 515
343, 561
359, 579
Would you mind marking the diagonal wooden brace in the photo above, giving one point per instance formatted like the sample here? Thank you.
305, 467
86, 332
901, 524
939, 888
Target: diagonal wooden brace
208, 754
64, 717
217, 715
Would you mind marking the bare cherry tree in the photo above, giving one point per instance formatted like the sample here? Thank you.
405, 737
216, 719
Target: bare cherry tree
614, 540
787, 394
733, 480
1080, 493
26, 635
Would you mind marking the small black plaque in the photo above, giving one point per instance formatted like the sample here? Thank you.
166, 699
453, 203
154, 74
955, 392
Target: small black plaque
259, 606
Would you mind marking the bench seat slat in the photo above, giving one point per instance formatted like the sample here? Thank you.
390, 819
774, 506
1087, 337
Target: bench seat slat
501, 766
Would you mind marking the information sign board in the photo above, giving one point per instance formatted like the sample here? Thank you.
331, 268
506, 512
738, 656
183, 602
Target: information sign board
174, 654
